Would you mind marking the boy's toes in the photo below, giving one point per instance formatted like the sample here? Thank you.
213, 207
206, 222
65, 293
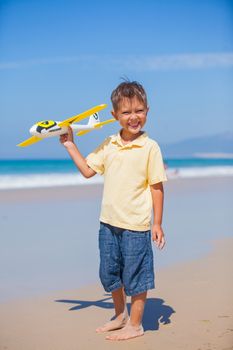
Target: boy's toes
111, 325
127, 332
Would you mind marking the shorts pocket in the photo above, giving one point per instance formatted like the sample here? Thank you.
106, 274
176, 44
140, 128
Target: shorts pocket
135, 243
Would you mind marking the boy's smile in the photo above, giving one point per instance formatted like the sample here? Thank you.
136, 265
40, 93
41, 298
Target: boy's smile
131, 115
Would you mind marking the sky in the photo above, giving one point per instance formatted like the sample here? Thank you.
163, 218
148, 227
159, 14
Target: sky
59, 58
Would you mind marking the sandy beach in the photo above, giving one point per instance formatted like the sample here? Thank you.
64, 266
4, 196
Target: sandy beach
190, 309
49, 302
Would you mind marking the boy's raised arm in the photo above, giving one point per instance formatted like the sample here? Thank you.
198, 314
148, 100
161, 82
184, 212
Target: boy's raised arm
68, 142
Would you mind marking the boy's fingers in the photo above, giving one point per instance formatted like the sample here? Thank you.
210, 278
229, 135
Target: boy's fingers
161, 243
70, 133
63, 138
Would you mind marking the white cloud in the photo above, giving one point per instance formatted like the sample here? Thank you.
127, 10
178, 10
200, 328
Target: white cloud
136, 63
183, 61
38, 62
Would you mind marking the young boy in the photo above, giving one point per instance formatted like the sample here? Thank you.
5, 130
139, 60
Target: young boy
133, 174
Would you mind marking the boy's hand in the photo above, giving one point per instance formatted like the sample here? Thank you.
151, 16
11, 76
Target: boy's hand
158, 236
67, 138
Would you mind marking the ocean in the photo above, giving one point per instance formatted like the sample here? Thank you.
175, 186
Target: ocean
62, 172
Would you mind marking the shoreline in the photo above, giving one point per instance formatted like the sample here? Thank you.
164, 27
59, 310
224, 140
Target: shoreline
191, 308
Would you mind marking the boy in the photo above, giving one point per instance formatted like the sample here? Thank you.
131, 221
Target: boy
133, 174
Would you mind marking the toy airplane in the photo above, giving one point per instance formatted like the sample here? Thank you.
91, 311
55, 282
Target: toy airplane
50, 128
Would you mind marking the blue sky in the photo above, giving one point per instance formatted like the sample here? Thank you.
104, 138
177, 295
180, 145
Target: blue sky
59, 58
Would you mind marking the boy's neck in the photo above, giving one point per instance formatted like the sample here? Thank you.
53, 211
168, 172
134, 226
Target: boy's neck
127, 138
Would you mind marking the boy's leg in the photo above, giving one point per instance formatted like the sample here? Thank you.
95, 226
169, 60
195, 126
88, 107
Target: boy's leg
110, 274
137, 276
133, 328
137, 309
121, 313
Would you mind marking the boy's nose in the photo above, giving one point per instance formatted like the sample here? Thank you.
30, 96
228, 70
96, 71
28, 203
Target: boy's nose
133, 115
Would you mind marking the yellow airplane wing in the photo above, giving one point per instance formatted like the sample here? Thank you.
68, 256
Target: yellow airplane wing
97, 125
29, 141
81, 116
83, 132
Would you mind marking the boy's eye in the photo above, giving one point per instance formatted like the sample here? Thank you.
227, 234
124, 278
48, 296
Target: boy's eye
138, 111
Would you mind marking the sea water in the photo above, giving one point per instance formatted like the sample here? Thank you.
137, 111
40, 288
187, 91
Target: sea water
62, 172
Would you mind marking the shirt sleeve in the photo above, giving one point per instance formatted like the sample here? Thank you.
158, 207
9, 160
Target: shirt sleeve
95, 160
156, 169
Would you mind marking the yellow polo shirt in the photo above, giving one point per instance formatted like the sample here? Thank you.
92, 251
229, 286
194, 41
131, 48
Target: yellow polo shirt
128, 171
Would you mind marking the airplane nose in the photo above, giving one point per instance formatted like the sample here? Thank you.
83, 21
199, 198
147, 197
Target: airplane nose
32, 130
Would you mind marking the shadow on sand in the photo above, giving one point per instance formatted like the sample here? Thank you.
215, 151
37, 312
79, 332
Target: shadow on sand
156, 311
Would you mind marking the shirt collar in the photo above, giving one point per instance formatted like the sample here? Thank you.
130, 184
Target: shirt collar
139, 141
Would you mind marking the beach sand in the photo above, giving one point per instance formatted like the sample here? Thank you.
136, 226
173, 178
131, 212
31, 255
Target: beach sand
191, 307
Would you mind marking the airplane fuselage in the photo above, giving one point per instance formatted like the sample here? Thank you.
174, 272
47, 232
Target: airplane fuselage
50, 128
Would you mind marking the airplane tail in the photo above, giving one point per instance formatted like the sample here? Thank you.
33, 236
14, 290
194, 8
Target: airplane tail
94, 118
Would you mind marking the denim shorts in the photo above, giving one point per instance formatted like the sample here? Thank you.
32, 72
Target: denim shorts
126, 259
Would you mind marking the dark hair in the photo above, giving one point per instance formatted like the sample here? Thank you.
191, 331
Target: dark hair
128, 89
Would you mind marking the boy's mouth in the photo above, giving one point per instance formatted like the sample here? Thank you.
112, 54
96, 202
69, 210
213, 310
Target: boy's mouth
134, 126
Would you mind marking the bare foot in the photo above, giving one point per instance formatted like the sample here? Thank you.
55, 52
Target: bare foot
127, 332
113, 325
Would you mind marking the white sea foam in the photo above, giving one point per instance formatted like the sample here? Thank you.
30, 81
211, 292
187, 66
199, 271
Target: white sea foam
45, 180
17, 181
192, 172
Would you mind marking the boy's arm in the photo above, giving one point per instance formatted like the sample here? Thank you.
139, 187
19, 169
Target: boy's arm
157, 194
68, 141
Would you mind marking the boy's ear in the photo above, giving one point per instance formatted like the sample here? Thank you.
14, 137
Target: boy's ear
114, 114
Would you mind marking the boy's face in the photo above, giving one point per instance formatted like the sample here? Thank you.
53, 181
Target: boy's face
131, 114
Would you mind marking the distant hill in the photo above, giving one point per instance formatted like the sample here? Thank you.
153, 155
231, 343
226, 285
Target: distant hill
216, 146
